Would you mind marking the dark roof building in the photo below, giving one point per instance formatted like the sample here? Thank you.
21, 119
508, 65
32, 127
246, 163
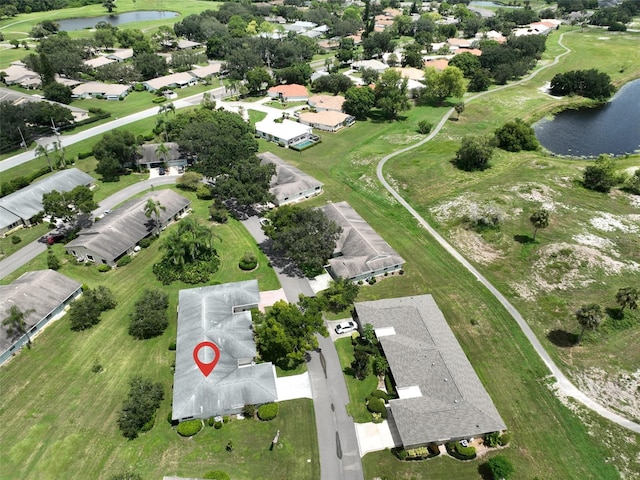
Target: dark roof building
441, 397
289, 184
44, 294
27, 202
219, 314
360, 252
118, 233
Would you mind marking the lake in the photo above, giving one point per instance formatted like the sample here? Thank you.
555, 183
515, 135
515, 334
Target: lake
613, 128
70, 24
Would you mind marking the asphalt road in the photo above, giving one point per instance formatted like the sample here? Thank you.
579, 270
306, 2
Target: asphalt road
105, 127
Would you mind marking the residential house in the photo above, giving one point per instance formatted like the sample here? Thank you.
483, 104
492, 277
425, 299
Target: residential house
98, 62
43, 296
289, 93
328, 120
18, 74
289, 184
286, 133
326, 102
376, 65
18, 208
219, 315
18, 98
208, 71
441, 398
109, 91
174, 80
151, 156
118, 233
360, 253
121, 54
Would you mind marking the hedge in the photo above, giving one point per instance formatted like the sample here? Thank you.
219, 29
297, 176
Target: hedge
461, 453
268, 411
376, 405
126, 260
189, 428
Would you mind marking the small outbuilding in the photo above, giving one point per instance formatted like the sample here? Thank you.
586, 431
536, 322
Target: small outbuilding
219, 315
43, 295
289, 184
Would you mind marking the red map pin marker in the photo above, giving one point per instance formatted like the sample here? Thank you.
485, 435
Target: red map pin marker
206, 368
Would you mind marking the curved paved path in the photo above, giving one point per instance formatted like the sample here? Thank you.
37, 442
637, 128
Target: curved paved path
564, 385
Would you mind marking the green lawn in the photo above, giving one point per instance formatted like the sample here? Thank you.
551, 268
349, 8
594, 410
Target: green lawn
358, 389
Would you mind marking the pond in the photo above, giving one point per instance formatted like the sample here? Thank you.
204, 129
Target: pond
70, 24
613, 128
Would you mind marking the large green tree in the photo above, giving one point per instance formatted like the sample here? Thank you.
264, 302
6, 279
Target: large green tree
358, 101
68, 205
474, 153
305, 236
392, 94
284, 334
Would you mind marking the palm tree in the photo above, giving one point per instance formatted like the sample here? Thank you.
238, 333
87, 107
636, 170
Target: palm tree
589, 316
15, 324
627, 297
41, 150
153, 207
539, 219
162, 151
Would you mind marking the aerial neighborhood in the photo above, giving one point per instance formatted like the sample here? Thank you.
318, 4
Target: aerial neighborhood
319, 240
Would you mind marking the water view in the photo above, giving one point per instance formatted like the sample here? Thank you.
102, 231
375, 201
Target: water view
115, 19
613, 128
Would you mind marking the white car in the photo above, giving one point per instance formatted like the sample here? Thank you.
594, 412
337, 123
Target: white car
346, 327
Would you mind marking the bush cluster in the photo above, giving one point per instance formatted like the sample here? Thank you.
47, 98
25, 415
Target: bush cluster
140, 407
248, 261
189, 428
268, 411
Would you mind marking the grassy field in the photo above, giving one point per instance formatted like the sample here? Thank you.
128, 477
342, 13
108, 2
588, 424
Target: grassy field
59, 417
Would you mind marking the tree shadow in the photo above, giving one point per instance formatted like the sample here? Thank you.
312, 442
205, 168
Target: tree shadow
615, 312
484, 472
523, 239
562, 338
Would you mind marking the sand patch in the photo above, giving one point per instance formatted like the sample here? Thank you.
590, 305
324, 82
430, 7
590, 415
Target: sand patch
562, 266
607, 222
474, 247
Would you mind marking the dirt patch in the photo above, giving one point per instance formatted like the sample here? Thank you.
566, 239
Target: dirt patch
474, 247
563, 266
617, 391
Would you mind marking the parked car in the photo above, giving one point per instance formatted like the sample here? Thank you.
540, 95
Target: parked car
346, 327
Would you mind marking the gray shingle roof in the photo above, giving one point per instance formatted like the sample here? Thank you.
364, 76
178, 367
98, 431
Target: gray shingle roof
288, 180
213, 314
128, 224
359, 250
423, 352
41, 290
27, 202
